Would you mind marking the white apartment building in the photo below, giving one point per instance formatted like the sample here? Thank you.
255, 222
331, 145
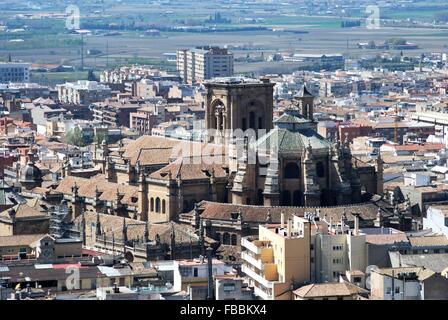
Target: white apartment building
400, 283
203, 63
336, 249
14, 72
437, 219
83, 92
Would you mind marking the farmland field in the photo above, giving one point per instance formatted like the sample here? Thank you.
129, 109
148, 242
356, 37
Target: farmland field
118, 34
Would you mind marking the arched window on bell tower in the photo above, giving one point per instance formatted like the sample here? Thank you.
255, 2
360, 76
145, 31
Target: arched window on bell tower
252, 120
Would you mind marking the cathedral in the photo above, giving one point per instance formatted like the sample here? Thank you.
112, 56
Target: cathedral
290, 164
270, 162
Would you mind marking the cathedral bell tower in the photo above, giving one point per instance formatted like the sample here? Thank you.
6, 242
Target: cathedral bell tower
237, 103
306, 103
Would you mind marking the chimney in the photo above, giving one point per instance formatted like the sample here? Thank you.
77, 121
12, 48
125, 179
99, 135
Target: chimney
282, 220
289, 230
116, 288
356, 231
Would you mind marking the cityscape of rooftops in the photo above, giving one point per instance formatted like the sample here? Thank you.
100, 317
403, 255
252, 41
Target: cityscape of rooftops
191, 151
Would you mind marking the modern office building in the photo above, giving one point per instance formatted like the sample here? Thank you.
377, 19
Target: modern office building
203, 63
14, 72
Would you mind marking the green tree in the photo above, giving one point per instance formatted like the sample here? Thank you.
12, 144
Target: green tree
100, 136
75, 137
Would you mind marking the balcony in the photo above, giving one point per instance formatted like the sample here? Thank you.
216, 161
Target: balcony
250, 245
262, 294
252, 261
254, 245
255, 276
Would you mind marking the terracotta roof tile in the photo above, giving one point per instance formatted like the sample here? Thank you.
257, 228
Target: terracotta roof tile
337, 289
258, 214
20, 240
108, 189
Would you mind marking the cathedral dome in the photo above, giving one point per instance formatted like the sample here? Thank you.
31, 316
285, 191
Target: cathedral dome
292, 134
30, 173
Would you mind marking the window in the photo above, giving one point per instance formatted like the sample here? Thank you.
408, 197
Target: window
228, 287
244, 126
320, 169
233, 240
152, 204
226, 238
291, 171
436, 251
252, 120
184, 271
357, 279
337, 260
388, 290
158, 205
397, 289
163, 206
195, 272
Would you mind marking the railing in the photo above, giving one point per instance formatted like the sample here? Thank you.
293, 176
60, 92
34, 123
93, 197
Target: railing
262, 294
255, 276
251, 260
250, 245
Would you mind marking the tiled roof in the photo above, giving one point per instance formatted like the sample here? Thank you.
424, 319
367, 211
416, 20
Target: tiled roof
421, 272
289, 118
436, 262
159, 150
136, 229
428, 241
380, 239
258, 214
108, 189
292, 141
20, 240
57, 272
190, 170
337, 289
24, 211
